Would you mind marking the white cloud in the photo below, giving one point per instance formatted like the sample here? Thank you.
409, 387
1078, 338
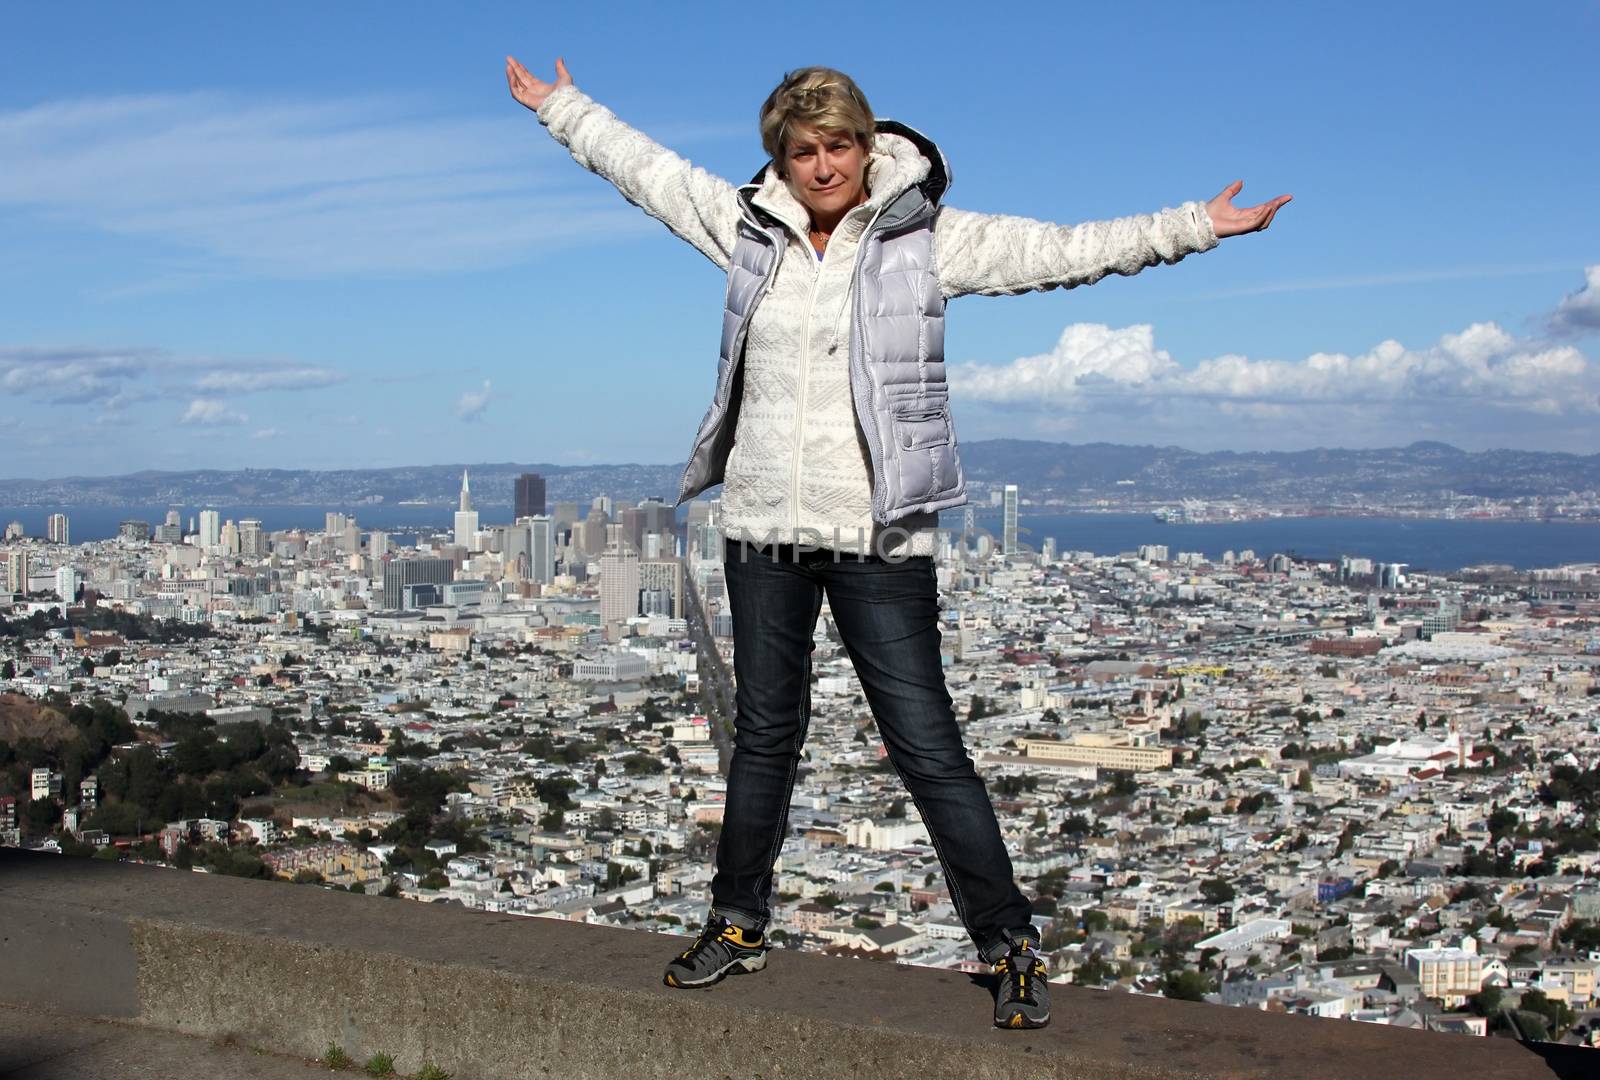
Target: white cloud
73, 376
265, 433
110, 378
473, 403
209, 412
288, 378
1114, 383
304, 189
1579, 312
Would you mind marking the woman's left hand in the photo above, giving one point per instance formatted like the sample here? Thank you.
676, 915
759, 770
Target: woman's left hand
1230, 220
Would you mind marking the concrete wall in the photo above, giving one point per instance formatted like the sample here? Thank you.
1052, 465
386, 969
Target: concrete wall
293, 968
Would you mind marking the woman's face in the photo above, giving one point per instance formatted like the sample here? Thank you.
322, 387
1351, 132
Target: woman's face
826, 171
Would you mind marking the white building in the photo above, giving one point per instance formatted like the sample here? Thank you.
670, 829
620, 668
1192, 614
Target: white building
466, 532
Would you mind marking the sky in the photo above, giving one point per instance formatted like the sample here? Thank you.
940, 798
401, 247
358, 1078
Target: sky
323, 236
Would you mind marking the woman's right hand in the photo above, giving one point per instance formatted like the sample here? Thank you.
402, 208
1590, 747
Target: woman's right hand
530, 90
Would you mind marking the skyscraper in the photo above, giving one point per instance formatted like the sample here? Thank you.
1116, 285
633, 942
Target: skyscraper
466, 517
619, 583
56, 529
252, 541
541, 549
210, 529
229, 540
17, 570
67, 584
529, 501
170, 531
1008, 530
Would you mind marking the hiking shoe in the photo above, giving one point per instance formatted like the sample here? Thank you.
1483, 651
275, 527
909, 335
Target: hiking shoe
722, 949
1023, 997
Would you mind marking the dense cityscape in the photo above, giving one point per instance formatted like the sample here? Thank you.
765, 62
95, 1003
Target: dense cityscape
1336, 788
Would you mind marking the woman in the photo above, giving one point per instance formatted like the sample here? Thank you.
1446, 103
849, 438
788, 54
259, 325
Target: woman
830, 433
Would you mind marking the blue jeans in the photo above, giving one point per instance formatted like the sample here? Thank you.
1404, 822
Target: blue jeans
887, 613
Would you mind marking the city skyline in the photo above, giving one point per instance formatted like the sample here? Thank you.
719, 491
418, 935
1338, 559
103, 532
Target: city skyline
318, 254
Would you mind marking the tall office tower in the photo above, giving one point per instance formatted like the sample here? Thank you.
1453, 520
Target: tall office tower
1048, 549
15, 531
565, 515
350, 539
1008, 514
333, 523
17, 571
703, 512
659, 517
705, 542
511, 542
619, 584
602, 503
229, 540
595, 529
377, 543
664, 576
631, 519
67, 583
529, 501
252, 541
170, 531
541, 549
466, 517
210, 529
134, 531
56, 529
398, 574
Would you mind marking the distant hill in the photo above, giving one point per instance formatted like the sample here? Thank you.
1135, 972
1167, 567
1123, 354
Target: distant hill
1424, 472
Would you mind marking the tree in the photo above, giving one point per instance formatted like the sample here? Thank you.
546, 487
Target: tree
8, 670
1216, 891
1186, 985
1558, 1015
1487, 1001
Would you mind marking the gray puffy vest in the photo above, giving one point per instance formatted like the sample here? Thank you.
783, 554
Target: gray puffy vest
896, 348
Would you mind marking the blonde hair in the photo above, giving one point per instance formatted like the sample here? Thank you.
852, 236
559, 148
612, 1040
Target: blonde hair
817, 97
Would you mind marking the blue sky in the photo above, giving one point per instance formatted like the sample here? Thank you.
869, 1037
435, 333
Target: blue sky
313, 235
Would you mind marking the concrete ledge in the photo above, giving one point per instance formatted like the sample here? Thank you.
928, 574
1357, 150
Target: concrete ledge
291, 969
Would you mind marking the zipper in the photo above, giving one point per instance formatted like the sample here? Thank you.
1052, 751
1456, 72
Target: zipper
800, 392
724, 389
858, 363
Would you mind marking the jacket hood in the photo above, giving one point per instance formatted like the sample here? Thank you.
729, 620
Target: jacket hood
902, 158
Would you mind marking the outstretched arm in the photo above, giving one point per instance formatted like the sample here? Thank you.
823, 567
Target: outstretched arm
998, 255
694, 204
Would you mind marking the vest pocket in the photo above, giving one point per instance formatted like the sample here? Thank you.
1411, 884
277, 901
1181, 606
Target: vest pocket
921, 421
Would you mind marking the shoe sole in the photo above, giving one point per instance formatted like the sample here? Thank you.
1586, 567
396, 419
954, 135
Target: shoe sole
1019, 1021
743, 965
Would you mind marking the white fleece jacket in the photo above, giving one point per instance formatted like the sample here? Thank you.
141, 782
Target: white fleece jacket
799, 466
